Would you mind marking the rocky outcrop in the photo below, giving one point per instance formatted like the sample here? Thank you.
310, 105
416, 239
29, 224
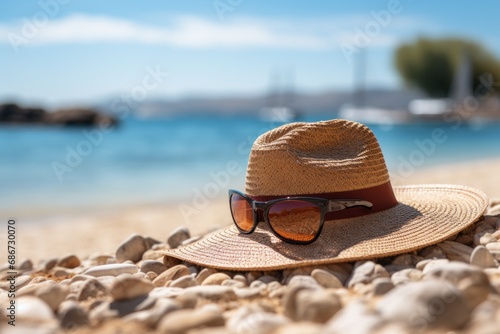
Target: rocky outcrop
13, 113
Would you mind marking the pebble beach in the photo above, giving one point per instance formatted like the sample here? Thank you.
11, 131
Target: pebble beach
106, 274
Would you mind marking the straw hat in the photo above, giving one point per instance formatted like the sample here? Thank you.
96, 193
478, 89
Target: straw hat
339, 158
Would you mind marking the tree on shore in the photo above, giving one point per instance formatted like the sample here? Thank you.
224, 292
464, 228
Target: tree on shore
431, 64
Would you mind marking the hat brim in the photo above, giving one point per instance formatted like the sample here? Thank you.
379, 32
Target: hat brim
425, 215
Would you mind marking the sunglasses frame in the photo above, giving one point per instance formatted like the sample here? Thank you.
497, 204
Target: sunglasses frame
325, 205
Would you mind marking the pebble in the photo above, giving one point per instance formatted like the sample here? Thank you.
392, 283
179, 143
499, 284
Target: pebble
33, 310
182, 321
406, 276
152, 317
300, 328
303, 282
49, 264
456, 251
177, 236
114, 269
91, 288
249, 319
233, 283
354, 318
326, 279
183, 282
171, 274
425, 306
71, 316
248, 293
25, 265
316, 306
407, 260
432, 264
216, 279
152, 265
150, 242
52, 293
481, 257
365, 272
212, 292
70, 261
126, 288
382, 285
432, 252
131, 249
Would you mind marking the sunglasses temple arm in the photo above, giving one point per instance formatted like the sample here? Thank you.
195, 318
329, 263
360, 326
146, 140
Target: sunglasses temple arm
337, 205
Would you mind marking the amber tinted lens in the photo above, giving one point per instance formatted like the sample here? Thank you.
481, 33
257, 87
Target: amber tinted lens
295, 220
242, 212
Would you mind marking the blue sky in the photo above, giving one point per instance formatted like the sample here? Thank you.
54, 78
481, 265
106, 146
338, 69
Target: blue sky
85, 51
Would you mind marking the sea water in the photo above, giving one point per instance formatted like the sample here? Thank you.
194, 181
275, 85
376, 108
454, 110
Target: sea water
44, 169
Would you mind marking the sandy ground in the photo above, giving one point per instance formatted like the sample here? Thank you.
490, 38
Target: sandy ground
86, 234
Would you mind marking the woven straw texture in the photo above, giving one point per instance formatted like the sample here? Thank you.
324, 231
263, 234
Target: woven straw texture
313, 158
427, 214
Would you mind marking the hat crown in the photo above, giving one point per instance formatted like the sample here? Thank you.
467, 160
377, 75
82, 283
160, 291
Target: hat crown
315, 158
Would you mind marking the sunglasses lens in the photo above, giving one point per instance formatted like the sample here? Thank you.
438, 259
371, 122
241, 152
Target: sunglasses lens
295, 220
242, 212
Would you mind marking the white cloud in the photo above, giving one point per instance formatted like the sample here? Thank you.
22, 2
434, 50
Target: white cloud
197, 32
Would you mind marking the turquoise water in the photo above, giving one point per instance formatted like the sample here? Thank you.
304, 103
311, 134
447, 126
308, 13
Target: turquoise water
156, 161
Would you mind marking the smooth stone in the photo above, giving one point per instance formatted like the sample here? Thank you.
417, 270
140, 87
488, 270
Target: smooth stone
279, 292
216, 279
49, 264
91, 288
73, 316
152, 317
326, 279
382, 285
108, 310
150, 242
365, 272
131, 249
212, 292
182, 321
258, 284
80, 277
481, 257
342, 270
300, 328
239, 278
114, 269
25, 265
126, 288
33, 310
152, 265
251, 319
171, 274
177, 236
267, 279
493, 247
70, 261
166, 292
456, 251
233, 283
151, 276
183, 282
406, 276
304, 282
354, 318
432, 252
316, 306
433, 264
407, 260
187, 300
52, 294
471, 280
487, 239
247, 292
203, 274
101, 259
425, 306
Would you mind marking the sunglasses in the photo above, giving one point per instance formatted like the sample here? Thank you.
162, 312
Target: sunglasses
297, 220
